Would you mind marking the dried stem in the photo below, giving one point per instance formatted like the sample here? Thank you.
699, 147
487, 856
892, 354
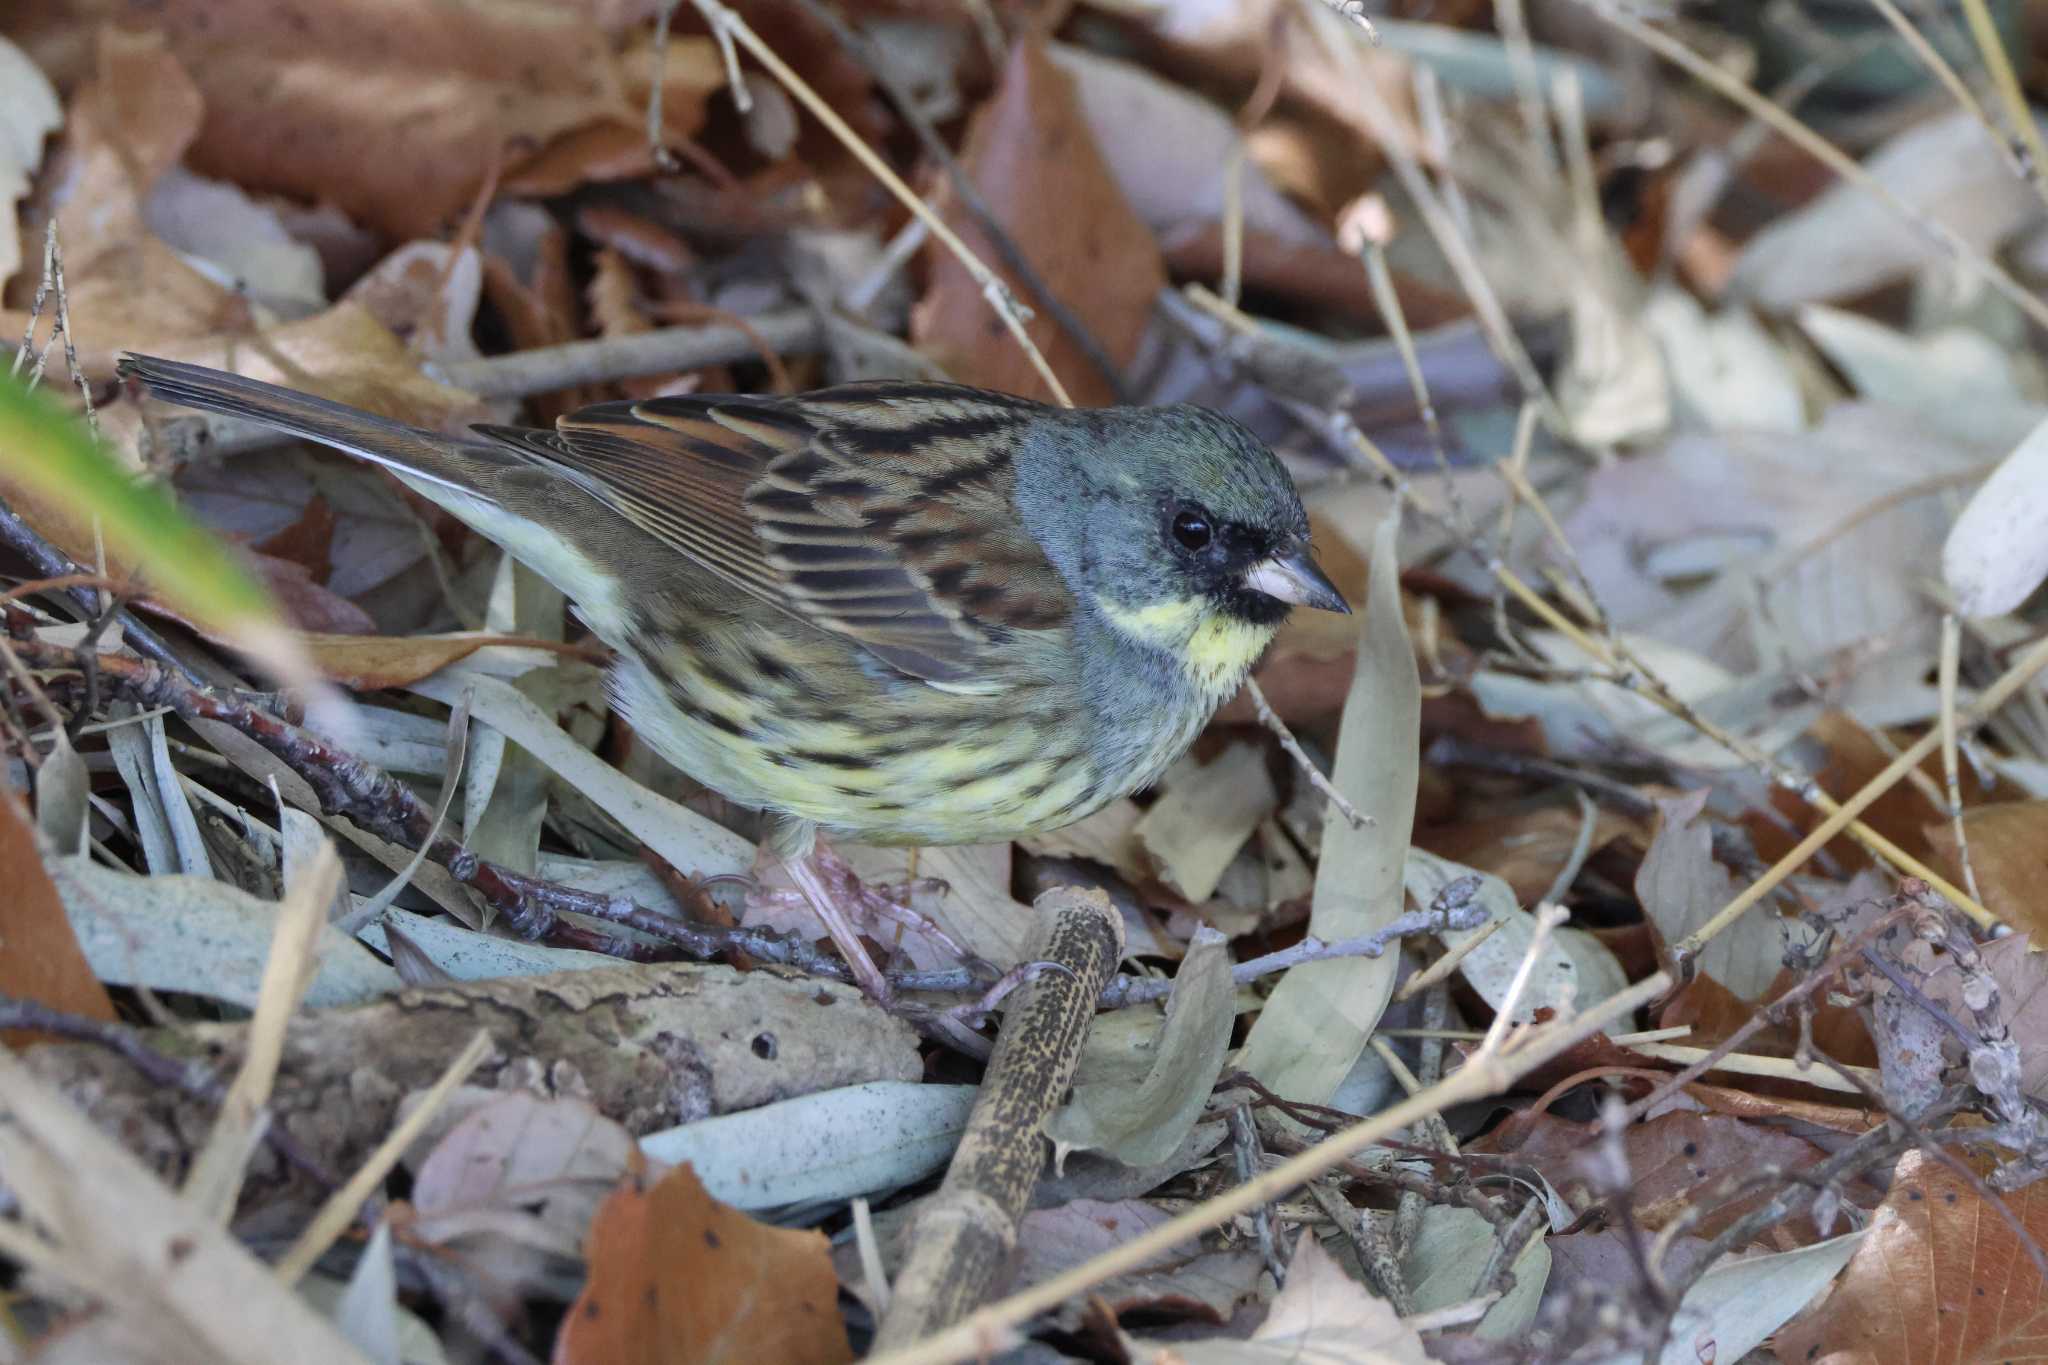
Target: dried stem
1489, 1071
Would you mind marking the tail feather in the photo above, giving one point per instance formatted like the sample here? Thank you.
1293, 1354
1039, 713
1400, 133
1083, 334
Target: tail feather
407, 450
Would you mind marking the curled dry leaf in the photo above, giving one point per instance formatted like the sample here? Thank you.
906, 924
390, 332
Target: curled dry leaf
677, 1276
366, 663
1141, 1115
1030, 153
1580, 971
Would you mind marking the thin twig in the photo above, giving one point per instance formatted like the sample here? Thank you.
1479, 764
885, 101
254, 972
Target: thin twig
1270, 718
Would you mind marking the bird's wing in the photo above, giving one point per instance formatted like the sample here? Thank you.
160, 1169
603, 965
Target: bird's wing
883, 512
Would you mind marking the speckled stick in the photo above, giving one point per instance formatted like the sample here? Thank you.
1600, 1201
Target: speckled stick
964, 1233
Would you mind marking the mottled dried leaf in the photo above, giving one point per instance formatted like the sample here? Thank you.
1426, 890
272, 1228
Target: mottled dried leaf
1944, 1280
677, 1276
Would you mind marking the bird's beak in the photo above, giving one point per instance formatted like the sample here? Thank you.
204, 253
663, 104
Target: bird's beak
1291, 576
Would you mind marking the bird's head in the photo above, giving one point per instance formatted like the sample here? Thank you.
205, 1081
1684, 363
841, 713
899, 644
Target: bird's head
1184, 530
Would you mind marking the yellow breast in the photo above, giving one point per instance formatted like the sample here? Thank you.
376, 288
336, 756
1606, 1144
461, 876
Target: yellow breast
1214, 650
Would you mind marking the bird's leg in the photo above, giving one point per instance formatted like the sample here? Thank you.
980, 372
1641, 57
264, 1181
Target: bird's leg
890, 901
805, 871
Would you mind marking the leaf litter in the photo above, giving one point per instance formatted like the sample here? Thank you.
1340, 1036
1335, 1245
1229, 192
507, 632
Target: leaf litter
1700, 439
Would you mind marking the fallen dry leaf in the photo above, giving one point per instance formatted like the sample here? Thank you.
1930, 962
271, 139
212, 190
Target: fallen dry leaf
1902, 814
1945, 1281
126, 287
2008, 844
344, 354
394, 112
1030, 153
42, 962
1525, 849
365, 663
676, 1276
1673, 1159
29, 111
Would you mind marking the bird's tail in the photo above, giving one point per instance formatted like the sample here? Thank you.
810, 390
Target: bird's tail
464, 467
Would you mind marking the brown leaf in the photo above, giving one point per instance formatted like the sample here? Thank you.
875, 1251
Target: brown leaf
42, 961
1527, 848
394, 112
2008, 845
307, 542
1674, 1158
614, 296
1945, 1280
541, 311
1741, 1104
616, 147
677, 1276
124, 286
1901, 814
365, 663
344, 354
1030, 152
1313, 274
306, 604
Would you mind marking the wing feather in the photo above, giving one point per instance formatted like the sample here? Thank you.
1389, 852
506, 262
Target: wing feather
884, 513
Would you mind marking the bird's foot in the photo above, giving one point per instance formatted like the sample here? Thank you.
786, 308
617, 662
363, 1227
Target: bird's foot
849, 907
867, 905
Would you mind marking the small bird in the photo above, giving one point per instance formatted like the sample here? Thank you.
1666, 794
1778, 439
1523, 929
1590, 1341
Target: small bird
893, 613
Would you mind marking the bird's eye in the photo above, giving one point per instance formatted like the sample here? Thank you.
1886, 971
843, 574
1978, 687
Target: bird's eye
1191, 529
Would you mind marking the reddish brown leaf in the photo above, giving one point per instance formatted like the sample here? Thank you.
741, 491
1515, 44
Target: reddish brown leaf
307, 604
1901, 814
2008, 845
1031, 154
1945, 1282
677, 1276
307, 542
1674, 1158
42, 961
